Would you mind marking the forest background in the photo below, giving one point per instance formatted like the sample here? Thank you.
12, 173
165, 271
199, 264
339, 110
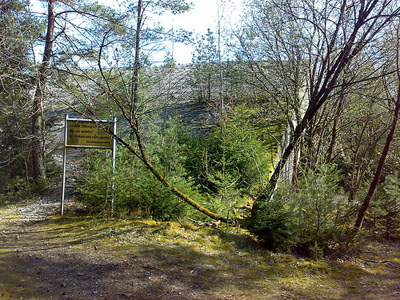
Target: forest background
285, 125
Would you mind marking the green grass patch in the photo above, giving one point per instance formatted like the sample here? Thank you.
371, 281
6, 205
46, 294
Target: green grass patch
225, 262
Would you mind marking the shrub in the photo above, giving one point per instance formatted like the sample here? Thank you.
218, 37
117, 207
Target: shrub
320, 208
16, 189
274, 223
309, 219
137, 191
233, 161
384, 213
221, 170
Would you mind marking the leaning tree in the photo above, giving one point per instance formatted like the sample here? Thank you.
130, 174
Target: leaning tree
300, 51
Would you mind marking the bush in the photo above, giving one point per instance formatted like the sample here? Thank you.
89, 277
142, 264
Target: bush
309, 219
220, 170
384, 213
137, 191
274, 223
15, 190
233, 161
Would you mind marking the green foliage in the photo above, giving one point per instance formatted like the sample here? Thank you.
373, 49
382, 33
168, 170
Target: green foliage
40, 186
274, 223
137, 191
96, 187
220, 170
14, 189
234, 161
384, 213
160, 7
309, 219
319, 208
19, 31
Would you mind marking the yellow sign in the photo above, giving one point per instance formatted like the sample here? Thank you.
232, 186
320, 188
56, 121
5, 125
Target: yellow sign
88, 134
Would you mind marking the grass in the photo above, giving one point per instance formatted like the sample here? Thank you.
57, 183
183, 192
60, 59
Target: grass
232, 252
222, 262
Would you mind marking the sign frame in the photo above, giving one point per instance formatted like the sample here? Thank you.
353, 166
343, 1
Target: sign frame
113, 147
89, 131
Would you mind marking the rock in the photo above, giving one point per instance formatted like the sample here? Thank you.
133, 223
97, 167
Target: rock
126, 295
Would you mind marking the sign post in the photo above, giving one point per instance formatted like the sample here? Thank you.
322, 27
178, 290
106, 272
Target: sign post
114, 154
85, 133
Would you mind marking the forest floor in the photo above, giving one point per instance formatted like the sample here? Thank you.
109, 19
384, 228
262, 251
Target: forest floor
44, 256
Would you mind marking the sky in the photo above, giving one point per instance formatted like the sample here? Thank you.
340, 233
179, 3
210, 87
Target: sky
202, 16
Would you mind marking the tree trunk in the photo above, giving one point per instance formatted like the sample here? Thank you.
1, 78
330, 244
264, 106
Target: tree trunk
331, 65
136, 67
135, 127
142, 156
374, 183
335, 125
285, 155
38, 143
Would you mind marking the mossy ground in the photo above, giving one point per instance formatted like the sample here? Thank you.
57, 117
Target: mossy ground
78, 257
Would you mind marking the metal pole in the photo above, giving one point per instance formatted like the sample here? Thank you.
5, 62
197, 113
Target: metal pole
64, 165
114, 153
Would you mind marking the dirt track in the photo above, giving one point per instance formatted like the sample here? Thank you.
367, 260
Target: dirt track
39, 264
46, 257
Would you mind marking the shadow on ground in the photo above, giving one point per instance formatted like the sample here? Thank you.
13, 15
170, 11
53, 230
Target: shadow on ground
89, 258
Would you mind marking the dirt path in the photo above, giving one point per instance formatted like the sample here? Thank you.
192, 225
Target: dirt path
37, 262
46, 257
35, 265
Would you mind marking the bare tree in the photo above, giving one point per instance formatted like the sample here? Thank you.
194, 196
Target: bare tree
393, 95
309, 44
